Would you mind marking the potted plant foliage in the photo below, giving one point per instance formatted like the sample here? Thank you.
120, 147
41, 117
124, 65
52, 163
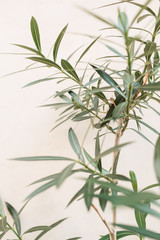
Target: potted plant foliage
107, 97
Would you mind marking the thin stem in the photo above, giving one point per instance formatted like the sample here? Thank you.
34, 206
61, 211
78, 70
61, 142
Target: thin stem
111, 232
14, 231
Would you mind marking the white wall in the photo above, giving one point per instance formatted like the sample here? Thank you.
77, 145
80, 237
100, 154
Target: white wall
24, 128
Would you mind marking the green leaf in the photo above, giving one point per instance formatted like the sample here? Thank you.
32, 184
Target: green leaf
148, 126
118, 177
149, 48
69, 69
150, 186
123, 22
2, 213
64, 174
110, 150
58, 42
3, 224
49, 228
35, 33
143, 17
157, 159
134, 181
119, 235
89, 191
86, 50
15, 217
39, 81
41, 189
43, 158
78, 194
116, 52
119, 110
48, 62
109, 80
75, 144
37, 228
75, 238
97, 152
141, 134
150, 87
103, 202
92, 162
140, 219
141, 231
148, 9
76, 98
29, 49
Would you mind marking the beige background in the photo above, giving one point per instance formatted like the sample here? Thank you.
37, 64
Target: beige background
24, 128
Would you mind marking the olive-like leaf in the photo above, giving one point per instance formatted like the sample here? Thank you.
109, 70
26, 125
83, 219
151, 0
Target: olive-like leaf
45, 61
35, 33
29, 49
43, 158
141, 231
75, 144
149, 48
89, 191
150, 87
69, 69
57, 43
109, 80
103, 202
49, 228
119, 235
86, 50
64, 174
157, 159
15, 217
97, 152
3, 224
75, 238
134, 181
119, 110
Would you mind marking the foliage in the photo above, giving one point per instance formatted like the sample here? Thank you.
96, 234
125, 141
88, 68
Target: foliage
133, 90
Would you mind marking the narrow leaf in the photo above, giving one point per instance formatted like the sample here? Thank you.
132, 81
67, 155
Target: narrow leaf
86, 50
15, 217
97, 152
89, 191
103, 202
49, 228
48, 62
119, 110
157, 159
64, 174
37, 228
142, 135
134, 180
3, 224
41, 189
119, 235
35, 33
75, 144
150, 87
69, 69
141, 231
43, 158
109, 80
110, 150
29, 49
58, 42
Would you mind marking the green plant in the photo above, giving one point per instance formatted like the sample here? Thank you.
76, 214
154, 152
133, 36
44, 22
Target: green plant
87, 99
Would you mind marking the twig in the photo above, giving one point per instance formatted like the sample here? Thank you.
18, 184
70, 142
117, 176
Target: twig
111, 233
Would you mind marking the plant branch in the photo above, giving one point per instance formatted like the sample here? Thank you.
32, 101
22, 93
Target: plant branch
104, 221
